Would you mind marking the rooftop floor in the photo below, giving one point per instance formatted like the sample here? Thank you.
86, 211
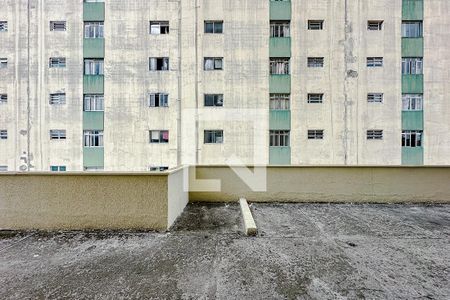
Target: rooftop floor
302, 251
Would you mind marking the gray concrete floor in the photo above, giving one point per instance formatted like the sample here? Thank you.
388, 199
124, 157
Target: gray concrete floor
303, 251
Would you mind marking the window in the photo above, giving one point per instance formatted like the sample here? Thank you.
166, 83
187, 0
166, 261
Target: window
213, 26
57, 98
374, 61
213, 136
3, 168
374, 25
158, 100
158, 168
375, 97
3, 134
58, 134
279, 138
280, 29
412, 65
93, 138
315, 62
315, 24
315, 98
279, 66
158, 63
316, 134
412, 138
159, 136
57, 62
58, 168
374, 134
412, 102
3, 63
93, 67
3, 98
159, 27
93, 102
412, 29
280, 101
3, 26
93, 30
213, 99
57, 25
213, 63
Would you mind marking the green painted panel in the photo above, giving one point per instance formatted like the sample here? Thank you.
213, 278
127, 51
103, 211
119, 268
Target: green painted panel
94, 48
280, 155
93, 120
93, 156
412, 84
412, 120
280, 47
93, 84
280, 83
412, 47
280, 10
412, 156
93, 11
412, 10
280, 119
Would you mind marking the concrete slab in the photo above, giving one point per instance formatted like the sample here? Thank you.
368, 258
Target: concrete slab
328, 252
247, 218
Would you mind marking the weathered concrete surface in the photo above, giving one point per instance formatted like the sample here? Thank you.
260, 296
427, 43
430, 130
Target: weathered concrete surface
302, 251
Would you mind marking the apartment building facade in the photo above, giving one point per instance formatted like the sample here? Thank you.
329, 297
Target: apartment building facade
145, 85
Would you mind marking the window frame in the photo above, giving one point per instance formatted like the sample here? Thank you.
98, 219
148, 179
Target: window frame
163, 62
58, 134
214, 24
375, 25
3, 98
280, 66
412, 138
93, 102
57, 62
375, 62
215, 61
161, 98
280, 29
55, 26
375, 134
315, 62
217, 100
162, 26
316, 24
375, 97
94, 30
279, 138
60, 100
412, 102
93, 138
279, 101
161, 139
316, 134
412, 65
3, 134
318, 98
213, 136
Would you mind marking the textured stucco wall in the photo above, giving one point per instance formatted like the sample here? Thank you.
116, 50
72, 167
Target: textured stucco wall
80, 201
333, 184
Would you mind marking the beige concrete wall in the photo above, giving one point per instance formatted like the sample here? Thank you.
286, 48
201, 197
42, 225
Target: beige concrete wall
178, 196
333, 184
81, 201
